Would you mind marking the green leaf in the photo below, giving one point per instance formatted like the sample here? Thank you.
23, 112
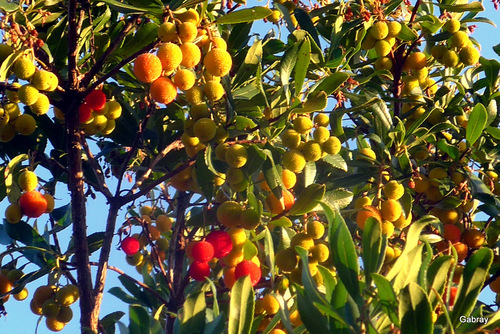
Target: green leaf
437, 276
306, 23
475, 272
336, 161
474, 6
345, 261
139, 320
127, 9
249, 250
244, 15
476, 124
374, 245
301, 65
387, 297
316, 101
313, 319
415, 311
407, 34
204, 176
241, 307
9, 6
109, 321
331, 83
308, 199
62, 217
287, 65
193, 314
496, 48
338, 198
24, 233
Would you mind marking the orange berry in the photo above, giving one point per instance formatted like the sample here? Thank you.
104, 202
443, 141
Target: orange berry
365, 212
163, 90
147, 67
33, 204
474, 238
495, 285
277, 206
452, 233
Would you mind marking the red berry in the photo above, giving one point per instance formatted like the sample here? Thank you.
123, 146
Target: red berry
248, 268
130, 245
453, 294
96, 99
221, 241
33, 204
199, 270
202, 251
84, 113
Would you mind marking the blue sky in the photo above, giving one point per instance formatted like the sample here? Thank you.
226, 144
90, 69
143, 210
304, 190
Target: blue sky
21, 320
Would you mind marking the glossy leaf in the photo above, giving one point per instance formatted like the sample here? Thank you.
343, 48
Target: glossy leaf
476, 124
193, 314
244, 15
415, 310
241, 306
374, 245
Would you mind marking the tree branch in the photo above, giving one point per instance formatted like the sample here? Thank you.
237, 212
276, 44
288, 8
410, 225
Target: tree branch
119, 66
116, 42
101, 186
97, 292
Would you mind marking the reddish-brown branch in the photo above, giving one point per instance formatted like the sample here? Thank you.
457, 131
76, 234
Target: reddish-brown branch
100, 280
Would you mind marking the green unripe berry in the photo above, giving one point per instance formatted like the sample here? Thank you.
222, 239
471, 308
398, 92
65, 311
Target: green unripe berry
41, 106
452, 26
321, 134
394, 28
321, 119
290, 138
312, 151
450, 59
213, 90
236, 155
294, 160
24, 68
383, 48
469, 55
460, 39
28, 94
302, 124
205, 129
332, 145
438, 52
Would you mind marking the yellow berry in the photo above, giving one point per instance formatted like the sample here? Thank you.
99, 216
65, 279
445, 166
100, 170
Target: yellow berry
184, 79
236, 155
315, 229
332, 145
13, 214
450, 59
24, 68
379, 30
391, 210
170, 56
294, 160
147, 67
27, 180
383, 48
191, 55
213, 90
195, 95
187, 32
218, 62
286, 260
312, 151
322, 119
25, 124
394, 190
460, 39
229, 213
469, 55
28, 94
302, 124
114, 110
394, 28
167, 32
41, 106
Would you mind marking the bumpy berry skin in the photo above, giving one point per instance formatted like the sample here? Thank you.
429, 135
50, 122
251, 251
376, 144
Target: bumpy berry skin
229, 213
379, 30
130, 245
163, 90
205, 129
191, 55
41, 106
199, 270
249, 268
469, 55
236, 156
187, 32
302, 124
25, 124
286, 260
13, 214
218, 62
24, 68
28, 94
184, 79
147, 67
96, 99
221, 242
294, 160
27, 180
202, 251
394, 190
84, 113
33, 204
170, 55
167, 32
213, 90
